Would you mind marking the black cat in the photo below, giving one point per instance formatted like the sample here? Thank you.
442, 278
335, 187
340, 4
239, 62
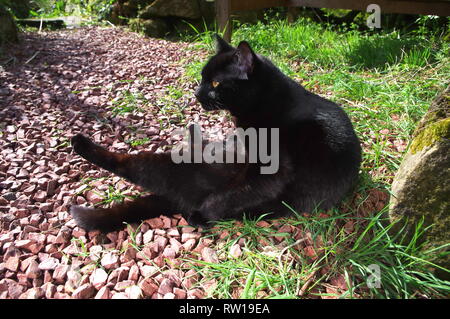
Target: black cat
319, 153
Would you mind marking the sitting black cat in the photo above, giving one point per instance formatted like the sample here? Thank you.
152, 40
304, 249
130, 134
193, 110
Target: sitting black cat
319, 153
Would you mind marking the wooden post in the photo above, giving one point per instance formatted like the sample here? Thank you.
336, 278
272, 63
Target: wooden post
292, 13
223, 18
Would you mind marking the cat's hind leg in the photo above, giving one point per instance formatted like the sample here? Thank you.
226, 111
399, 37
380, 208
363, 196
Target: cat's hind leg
109, 219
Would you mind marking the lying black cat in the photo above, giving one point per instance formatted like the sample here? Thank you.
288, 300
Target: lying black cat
319, 153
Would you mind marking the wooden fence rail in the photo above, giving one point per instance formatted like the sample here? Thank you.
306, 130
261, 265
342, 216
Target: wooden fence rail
224, 8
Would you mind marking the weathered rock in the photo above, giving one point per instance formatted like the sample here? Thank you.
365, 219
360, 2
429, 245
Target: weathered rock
421, 187
155, 27
172, 8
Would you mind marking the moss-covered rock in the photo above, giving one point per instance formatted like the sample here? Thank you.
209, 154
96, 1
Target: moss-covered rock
8, 28
421, 187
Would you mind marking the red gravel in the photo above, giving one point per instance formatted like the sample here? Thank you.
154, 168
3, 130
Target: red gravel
59, 84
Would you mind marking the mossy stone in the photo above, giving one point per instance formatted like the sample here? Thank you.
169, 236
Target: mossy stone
421, 187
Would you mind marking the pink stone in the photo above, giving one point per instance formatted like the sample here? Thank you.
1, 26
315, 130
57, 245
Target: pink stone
23, 244
189, 244
148, 236
167, 223
173, 232
49, 264
134, 292
148, 287
98, 278
166, 286
110, 261
155, 223
122, 285
169, 253
134, 273
186, 236
12, 264
147, 270
33, 270
85, 291
179, 293
103, 293
235, 251
209, 255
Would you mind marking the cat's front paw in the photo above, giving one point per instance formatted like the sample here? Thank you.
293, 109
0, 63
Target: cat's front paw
195, 219
81, 144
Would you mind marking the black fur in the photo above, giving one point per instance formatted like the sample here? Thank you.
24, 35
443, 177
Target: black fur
320, 154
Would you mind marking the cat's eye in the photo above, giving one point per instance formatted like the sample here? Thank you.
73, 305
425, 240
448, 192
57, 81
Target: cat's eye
215, 84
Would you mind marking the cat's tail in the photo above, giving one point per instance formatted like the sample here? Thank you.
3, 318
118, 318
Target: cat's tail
110, 219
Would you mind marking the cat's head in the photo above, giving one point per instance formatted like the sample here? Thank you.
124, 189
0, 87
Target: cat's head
228, 78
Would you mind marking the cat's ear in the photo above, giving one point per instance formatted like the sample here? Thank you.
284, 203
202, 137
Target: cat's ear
245, 58
221, 44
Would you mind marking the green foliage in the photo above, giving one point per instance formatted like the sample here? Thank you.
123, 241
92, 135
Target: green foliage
97, 9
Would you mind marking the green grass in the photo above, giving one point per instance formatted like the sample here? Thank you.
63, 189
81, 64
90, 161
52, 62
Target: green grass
385, 80
170, 109
281, 270
128, 102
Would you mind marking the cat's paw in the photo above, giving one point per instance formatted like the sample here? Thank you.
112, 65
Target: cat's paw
195, 219
81, 144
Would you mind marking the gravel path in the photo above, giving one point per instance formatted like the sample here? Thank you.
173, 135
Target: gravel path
56, 85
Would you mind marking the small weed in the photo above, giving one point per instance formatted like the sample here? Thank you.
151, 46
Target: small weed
128, 102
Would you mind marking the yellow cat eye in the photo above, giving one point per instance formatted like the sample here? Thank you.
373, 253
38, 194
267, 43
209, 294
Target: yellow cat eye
215, 84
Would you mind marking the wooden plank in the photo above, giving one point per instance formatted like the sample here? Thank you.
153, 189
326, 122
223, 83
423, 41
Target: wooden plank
48, 22
441, 8
246, 5
223, 11
432, 7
